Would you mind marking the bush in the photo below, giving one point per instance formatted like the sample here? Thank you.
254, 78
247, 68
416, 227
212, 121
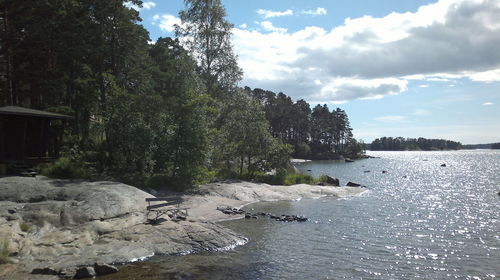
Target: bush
204, 176
165, 183
64, 168
227, 174
277, 179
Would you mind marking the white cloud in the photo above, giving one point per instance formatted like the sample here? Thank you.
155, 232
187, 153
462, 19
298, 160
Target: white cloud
420, 112
488, 104
271, 14
443, 41
391, 119
423, 86
148, 5
318, 12
166, 22
268, 26
243, 26
145, 5
487, 76
345, 89
437, 80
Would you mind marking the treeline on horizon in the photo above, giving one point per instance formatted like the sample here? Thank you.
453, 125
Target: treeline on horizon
412, 144
494, 146
168, 112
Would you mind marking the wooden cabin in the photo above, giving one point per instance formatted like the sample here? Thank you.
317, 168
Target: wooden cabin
29, 136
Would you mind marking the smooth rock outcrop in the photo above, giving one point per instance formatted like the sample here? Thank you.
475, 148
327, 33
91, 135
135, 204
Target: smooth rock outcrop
92, 222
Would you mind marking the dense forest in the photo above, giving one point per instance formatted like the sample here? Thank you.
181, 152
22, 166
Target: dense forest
412, 144
316, 133
161, 110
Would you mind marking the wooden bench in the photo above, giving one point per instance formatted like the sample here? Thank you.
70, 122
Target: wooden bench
176, 213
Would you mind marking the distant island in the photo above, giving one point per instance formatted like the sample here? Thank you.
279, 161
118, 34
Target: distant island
423, 144
482, 146
413, 144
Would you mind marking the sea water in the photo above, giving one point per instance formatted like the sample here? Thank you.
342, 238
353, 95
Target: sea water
417, 219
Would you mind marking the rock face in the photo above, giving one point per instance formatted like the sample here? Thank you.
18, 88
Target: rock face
92, 222
333, 181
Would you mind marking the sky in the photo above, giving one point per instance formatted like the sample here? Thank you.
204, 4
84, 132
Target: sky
412, 68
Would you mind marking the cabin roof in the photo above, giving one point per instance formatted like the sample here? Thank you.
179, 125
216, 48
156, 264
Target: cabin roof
21, 111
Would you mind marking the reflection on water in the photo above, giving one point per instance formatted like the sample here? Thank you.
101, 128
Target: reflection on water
418, 220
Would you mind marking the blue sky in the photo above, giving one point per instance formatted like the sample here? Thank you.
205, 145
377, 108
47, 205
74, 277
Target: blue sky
412, 68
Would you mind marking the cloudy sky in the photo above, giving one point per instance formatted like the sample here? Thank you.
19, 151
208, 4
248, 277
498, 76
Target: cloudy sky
399, 68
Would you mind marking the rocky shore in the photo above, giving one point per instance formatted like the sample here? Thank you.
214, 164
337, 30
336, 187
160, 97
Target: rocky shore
57, 228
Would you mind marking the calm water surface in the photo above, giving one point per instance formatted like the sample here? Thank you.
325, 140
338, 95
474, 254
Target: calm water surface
418, 220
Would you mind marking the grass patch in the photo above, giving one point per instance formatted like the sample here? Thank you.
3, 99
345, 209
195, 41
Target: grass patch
323, 179
287, 179
64, 168
297, 178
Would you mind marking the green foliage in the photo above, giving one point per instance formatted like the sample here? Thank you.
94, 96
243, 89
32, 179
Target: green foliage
302, 150
205, 176
207, 35
354, 148
142, 110
4, 251
244, 142
64, 168
296, 178
165, 183
271, 179
323, 179
316, 133
284, 178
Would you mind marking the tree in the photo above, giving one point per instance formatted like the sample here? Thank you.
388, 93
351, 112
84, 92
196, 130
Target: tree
183, 124
244, 138
207, 35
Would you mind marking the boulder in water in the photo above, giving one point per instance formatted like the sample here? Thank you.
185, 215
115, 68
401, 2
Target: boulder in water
46, 271
332, 181
85, 272
351, 184
103, 269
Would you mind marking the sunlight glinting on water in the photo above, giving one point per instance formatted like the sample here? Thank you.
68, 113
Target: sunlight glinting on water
417, 220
